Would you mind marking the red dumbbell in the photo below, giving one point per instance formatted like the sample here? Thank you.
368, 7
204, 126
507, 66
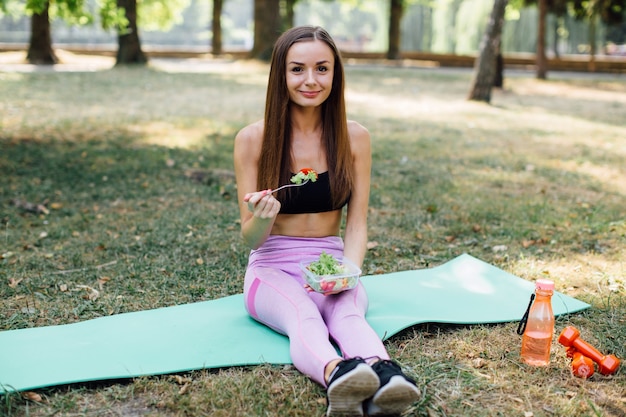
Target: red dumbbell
570, 338
582, 366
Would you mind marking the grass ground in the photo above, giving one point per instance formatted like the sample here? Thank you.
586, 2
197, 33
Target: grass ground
534, 183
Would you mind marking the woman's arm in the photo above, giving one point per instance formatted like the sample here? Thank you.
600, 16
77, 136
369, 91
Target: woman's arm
257, 209
355, 237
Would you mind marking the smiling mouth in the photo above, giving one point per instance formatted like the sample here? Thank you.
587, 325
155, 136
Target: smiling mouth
309, 93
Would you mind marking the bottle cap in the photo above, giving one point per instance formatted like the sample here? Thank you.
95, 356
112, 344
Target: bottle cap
544, 284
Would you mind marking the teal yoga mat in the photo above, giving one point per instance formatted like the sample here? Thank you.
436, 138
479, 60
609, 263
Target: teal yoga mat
219, 333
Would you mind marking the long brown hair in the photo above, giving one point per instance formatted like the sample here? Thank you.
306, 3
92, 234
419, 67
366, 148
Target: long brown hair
275, 158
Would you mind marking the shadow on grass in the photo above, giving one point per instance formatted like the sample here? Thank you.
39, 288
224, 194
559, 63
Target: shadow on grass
124, 229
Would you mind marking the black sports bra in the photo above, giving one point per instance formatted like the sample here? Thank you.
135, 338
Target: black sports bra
312, 197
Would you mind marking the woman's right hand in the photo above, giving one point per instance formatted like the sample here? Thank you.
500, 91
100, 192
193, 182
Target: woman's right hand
262, 204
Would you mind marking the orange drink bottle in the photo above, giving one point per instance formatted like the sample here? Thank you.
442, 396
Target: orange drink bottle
537, 338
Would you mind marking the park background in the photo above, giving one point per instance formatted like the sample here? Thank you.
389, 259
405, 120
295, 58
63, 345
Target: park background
451, 27
117, 195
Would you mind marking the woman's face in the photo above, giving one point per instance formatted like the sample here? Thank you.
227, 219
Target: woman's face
309, 75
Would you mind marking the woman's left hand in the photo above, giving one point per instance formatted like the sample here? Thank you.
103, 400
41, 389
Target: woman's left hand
310, 289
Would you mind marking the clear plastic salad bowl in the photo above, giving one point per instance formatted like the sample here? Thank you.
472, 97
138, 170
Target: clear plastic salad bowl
347, 278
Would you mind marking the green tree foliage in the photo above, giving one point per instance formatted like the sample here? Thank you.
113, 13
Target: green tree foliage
151, 14
611, 12
72, 11
160, 14
112, 16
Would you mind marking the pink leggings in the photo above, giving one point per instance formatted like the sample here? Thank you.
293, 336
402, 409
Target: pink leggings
275, 296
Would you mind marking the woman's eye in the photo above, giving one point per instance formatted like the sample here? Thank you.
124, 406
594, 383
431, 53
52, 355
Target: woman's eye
322, 68
296, 69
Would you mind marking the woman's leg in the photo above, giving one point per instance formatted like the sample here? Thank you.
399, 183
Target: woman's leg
275, 299
345, 318
269, 293
344, 315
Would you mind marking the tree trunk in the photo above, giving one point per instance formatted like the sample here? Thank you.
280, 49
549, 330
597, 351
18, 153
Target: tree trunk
556, 36
290, 16
396, 10
486, 63
40, 50
498, 78
266, 28
591, 66
129, 47
542, 61
453, 16
216, 39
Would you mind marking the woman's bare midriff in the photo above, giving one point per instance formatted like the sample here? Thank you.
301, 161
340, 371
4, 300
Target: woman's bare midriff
308, 224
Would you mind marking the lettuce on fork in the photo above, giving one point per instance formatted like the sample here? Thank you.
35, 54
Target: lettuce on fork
305, 174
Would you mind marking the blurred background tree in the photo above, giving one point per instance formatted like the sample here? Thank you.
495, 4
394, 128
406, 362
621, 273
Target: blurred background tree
381, 28
122, 16
42, 11
126, 16
485, 66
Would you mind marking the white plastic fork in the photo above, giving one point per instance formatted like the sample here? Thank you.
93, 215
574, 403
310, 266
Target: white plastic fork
289, 185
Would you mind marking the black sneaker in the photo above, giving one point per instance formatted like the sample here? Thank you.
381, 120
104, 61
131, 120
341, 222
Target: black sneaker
350, 384
397, 391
